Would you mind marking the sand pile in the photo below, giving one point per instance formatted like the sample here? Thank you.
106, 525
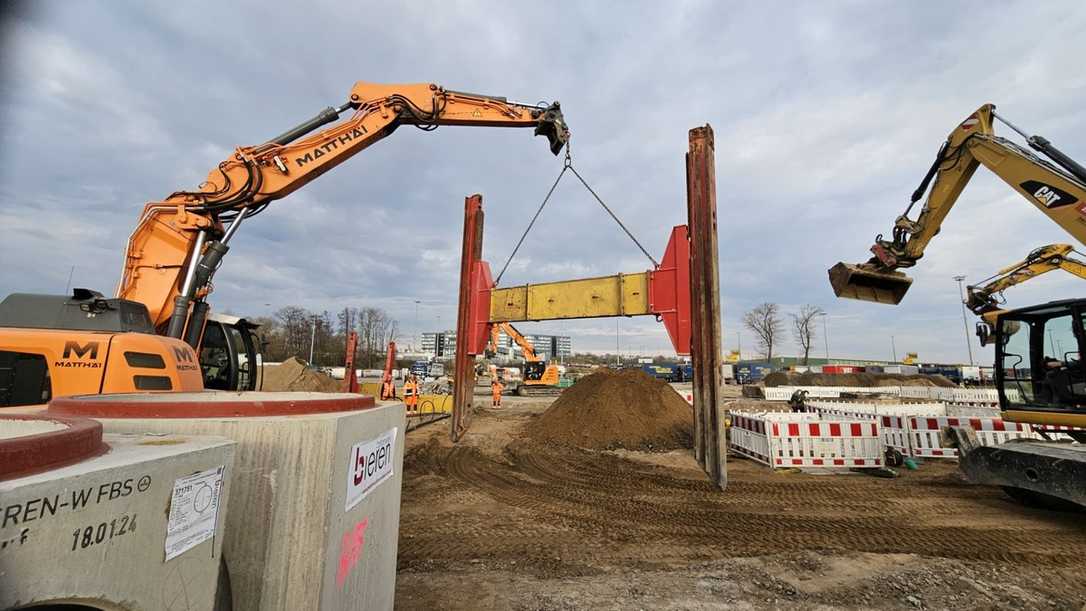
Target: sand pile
293, 374
617, 409
791, 378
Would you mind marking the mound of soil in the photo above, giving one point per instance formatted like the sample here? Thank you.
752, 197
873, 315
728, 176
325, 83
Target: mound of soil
617, 409
792, 378
293, 374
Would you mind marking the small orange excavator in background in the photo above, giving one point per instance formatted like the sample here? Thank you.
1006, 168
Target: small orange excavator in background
158, 334
539, 377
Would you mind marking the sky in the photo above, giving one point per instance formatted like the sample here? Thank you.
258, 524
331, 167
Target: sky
826, 116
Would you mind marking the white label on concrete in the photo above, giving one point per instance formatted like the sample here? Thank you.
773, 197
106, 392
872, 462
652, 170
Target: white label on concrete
369, 464
194, 510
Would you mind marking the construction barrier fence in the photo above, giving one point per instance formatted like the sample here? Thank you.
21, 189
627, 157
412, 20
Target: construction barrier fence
781, 440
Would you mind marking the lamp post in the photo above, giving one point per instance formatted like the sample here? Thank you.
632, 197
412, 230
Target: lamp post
965, 322
312, 339
826, 335
418, 331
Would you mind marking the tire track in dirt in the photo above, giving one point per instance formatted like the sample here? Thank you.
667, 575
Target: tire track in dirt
587, 505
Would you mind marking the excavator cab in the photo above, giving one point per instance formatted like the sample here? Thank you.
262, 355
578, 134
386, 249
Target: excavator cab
866, 284
1039, 368
230, 356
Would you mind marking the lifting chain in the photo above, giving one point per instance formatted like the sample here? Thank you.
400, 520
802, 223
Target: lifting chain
568, 165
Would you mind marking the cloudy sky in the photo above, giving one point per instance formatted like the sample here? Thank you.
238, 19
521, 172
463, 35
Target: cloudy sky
826, 117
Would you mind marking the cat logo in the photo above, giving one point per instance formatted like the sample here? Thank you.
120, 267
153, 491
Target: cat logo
1047, 195
74, 355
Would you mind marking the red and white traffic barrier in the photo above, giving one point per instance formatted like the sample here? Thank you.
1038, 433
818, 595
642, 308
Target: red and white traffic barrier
806, 440
926, 439
892, 417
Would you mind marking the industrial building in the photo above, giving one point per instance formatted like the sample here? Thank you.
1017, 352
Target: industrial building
443, 343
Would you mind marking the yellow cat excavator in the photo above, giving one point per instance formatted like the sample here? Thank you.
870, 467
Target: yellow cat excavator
157, 334
1039, 369
986, 299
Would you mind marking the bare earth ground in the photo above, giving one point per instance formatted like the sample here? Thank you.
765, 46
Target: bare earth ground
499, 522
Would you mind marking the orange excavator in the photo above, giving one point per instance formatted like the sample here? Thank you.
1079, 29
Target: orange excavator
539, 377
158, 333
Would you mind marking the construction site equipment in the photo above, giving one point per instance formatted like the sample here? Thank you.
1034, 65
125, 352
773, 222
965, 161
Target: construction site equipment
1040, 374
111, 521
806, 441
986, 298
179, 244
314, 523
681, 291
538, 377
1057, 189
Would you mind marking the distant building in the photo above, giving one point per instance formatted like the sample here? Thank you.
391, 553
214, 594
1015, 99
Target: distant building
439, 343
443, 343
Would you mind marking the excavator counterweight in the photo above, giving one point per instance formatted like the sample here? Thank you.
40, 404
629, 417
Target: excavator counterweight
851, 281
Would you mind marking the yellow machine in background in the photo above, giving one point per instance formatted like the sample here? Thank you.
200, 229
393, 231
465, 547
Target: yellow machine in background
985, 299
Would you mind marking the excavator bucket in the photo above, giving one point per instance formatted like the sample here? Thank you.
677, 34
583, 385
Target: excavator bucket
855, 282
552, 124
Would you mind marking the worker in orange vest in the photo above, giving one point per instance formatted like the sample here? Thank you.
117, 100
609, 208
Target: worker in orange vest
496, 388
388, 390
411, 393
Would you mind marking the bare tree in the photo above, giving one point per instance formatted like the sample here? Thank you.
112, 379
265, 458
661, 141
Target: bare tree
296, 324
804, 329
375, 329
765, 322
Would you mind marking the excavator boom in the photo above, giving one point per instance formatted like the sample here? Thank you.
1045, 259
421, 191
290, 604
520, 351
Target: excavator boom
1056, 189
180, 241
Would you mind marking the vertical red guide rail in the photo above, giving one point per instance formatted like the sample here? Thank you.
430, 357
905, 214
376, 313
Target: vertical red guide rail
349, 376
710, 448
464, 364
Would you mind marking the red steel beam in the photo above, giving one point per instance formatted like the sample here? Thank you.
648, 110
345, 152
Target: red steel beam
469, 303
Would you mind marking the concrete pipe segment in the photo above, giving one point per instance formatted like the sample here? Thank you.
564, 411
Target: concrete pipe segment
314, 512
111, 521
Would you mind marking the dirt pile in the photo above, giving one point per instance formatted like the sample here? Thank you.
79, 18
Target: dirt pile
617, 409
293, 374
792, 378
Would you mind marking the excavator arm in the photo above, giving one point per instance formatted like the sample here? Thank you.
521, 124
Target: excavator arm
986, 299
1056, 189
526, 346
179, 242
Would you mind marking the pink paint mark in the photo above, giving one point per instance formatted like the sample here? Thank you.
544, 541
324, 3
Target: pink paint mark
351, 550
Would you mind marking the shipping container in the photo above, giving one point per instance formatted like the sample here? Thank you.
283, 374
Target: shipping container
748, 373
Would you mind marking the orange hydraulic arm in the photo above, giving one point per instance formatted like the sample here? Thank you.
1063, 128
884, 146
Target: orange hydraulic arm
526, 346
179, 242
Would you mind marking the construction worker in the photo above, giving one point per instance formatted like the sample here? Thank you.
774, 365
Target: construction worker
496, 388
411, 393
388, 389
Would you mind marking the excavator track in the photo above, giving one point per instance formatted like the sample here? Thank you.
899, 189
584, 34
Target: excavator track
525, 390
